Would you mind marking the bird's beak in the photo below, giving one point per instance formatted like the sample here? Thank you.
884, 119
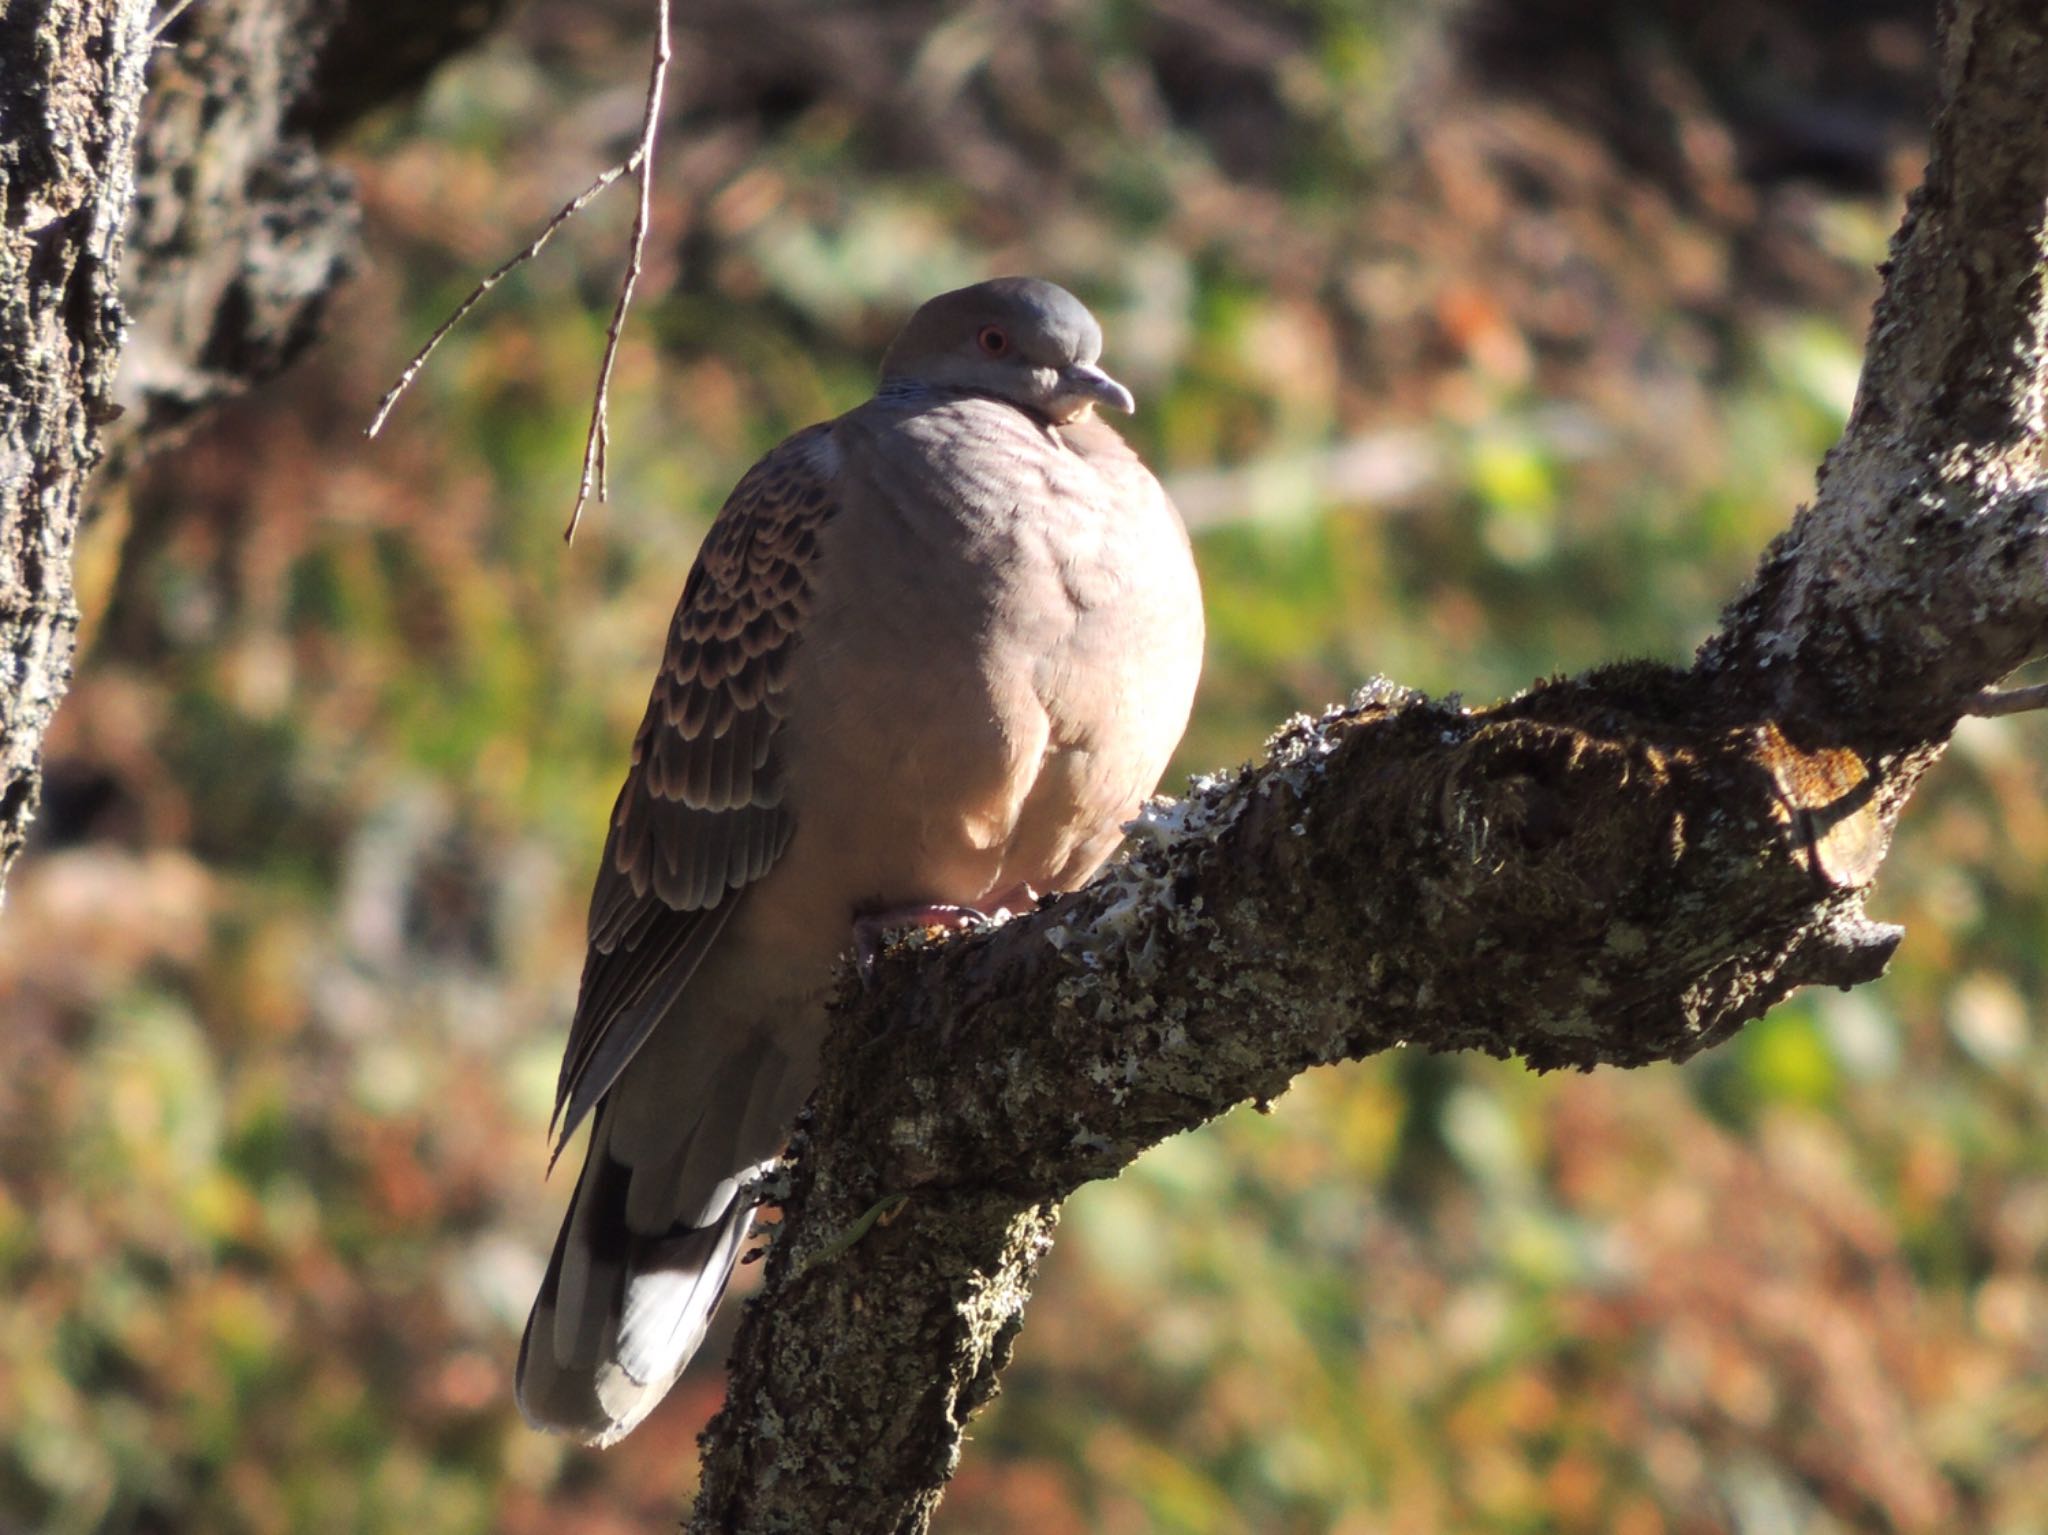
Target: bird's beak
1084, 382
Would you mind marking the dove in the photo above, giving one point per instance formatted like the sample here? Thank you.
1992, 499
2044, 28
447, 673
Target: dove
931, 658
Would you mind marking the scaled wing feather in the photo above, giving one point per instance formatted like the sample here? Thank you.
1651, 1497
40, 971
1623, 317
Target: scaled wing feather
701, 814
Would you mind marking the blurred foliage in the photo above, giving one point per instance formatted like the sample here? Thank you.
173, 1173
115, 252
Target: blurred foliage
1479, 343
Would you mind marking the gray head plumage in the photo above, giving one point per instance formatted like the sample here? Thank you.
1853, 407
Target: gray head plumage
1020, 339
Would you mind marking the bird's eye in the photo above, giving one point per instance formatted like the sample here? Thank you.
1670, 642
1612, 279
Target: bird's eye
994, 340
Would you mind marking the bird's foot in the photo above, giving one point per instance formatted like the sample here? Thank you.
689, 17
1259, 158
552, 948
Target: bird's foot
869, 931
1017, 900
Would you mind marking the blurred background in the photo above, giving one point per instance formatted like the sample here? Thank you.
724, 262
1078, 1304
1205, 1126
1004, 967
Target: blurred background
1478, 342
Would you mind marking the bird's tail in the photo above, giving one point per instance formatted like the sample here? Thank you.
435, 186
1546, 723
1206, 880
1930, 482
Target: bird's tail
620, 1312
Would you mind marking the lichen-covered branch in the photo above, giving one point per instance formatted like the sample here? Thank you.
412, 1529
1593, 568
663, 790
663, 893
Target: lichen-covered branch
1618, 869
1597, 873
1917, 572
69, 98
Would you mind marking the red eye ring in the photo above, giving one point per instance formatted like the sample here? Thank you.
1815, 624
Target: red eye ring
994, 340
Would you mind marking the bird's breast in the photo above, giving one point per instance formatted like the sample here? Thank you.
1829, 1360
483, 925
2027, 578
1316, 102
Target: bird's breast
1000, 656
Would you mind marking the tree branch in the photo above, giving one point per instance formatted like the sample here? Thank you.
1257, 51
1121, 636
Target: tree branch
1613, 870
1915, 578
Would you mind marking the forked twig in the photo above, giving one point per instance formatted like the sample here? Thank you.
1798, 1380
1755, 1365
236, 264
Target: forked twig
639, 164
569, 210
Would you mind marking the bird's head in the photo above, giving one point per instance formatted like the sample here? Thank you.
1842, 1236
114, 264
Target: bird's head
1017, 338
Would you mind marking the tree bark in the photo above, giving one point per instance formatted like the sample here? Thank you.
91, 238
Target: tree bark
236, 233
70, 96
243, 230
1612, 870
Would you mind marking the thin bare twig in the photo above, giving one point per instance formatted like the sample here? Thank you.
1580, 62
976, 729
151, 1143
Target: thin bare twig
597, 443
1991, 703
640, 165
569, 210
163, 23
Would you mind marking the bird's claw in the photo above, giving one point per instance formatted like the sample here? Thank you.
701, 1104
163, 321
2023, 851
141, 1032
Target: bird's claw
870, 931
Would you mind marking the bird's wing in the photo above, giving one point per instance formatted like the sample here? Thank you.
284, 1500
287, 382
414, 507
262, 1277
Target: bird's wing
701, 814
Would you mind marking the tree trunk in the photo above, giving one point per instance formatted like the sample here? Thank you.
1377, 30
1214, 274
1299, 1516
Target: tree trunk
238, 235
70, 97
1613, 870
